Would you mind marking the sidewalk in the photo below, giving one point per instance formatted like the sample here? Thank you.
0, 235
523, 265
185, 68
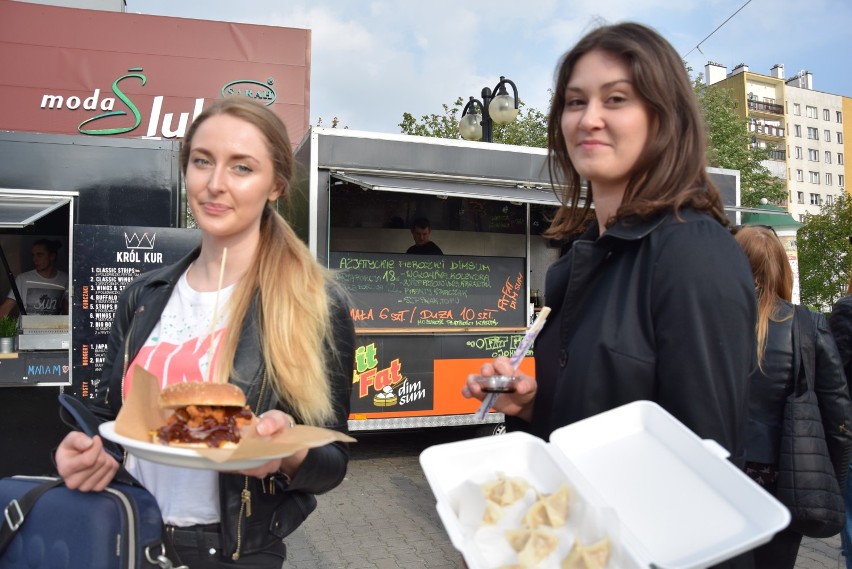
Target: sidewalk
820, 554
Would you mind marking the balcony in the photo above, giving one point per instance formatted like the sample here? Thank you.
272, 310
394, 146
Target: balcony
766, 129
761, 107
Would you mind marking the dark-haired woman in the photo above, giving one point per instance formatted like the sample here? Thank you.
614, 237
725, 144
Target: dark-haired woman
655, 301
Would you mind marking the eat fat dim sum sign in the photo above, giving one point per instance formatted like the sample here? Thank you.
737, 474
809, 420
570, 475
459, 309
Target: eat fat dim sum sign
160, 120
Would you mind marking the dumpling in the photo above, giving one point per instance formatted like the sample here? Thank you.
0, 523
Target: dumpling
592, 557
505, 491
532, 545
550, 510
493, 513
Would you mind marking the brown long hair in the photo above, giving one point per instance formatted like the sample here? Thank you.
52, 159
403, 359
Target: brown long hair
773, 278
671, 171
295, 328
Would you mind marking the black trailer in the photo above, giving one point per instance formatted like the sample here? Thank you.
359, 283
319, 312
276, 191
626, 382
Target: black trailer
78, 190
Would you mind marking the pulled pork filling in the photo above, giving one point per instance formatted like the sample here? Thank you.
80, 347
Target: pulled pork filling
213, 426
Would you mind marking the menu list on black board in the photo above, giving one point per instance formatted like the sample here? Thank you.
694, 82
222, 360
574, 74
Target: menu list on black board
395, 290
106, 260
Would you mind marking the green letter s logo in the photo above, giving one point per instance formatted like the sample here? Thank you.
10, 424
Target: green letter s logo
127, 101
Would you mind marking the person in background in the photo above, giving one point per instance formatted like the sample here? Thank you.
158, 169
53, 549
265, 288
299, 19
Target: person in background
421, 230
772, 382
655, 301
43, 290
840, 323
283, 334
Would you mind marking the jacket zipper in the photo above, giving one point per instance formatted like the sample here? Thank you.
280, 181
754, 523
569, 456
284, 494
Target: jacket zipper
245, 494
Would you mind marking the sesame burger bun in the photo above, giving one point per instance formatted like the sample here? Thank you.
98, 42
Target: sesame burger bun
202, 393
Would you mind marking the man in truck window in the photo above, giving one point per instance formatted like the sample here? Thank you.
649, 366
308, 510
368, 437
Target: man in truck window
44, 289
422, 231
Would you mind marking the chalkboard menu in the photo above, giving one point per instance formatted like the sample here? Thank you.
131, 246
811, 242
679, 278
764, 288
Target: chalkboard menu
391, 290
106, 260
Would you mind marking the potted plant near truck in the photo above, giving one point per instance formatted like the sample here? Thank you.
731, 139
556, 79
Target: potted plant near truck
8, 328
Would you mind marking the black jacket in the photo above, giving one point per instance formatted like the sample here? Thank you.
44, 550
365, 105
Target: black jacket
771, 386
840, 323
660, 310
276, 507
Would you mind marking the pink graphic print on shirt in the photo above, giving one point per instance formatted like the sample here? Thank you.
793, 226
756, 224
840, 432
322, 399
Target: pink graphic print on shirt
177, 363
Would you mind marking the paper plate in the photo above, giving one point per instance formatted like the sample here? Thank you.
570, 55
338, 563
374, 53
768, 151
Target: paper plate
184, 457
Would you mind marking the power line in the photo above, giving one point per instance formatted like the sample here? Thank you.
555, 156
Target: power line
698, 46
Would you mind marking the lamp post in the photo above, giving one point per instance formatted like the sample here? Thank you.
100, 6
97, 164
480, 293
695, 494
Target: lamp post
496, 106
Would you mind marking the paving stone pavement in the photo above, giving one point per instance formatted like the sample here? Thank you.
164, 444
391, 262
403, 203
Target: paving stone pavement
383, 514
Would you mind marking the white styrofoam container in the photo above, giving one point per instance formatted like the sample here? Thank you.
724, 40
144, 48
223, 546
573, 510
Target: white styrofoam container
679, 503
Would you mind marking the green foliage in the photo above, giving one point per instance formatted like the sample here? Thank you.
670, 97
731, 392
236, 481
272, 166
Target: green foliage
824, 254
334, 122
8, 326
729, 146
529, 129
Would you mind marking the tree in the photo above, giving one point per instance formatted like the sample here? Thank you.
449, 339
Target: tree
334, 122
529, 129
730, 146
825, 254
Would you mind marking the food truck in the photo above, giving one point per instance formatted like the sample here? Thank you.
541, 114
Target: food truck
424, 322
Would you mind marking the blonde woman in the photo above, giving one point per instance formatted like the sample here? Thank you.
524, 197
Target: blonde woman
773, 381
282, 334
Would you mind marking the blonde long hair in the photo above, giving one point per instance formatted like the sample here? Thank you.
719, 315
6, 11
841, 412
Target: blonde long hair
295, 328
773, 278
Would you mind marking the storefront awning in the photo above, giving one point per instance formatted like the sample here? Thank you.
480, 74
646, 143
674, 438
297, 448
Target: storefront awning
498, 190
18, 210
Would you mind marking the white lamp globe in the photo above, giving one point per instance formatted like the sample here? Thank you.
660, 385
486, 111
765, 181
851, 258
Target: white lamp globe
470, 127
502, 109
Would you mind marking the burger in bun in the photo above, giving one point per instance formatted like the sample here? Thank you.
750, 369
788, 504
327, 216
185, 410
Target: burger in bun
206, 415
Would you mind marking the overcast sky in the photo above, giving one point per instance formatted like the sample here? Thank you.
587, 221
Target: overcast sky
374, 60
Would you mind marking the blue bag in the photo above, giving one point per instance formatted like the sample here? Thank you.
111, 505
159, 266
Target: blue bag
47, 525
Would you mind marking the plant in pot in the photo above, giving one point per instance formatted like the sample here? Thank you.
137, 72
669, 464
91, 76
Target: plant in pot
8, 327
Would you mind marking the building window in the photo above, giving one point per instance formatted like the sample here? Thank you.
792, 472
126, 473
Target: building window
810, 112
826, 135
828, 179
814, 199
827, 157
840, 158
802, 217
800, 197
813, 177
797, 130
813, 133
813, 155
799, 152
826, 115
839, 137
829, 200
797, 109
839, 116
840, 180
800, 175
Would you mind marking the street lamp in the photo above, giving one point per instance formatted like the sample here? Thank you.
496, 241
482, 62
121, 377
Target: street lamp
496, 106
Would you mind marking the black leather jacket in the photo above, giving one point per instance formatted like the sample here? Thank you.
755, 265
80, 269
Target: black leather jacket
276, 507
771, 386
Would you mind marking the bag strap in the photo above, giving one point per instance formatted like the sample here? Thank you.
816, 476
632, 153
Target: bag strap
16, 511
803, 327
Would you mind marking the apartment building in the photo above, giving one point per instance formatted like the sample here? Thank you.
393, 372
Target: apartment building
805, 128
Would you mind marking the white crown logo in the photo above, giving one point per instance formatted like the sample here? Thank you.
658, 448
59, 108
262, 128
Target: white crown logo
136, 242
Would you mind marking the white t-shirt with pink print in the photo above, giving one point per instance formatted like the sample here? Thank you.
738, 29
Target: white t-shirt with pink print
182, 347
